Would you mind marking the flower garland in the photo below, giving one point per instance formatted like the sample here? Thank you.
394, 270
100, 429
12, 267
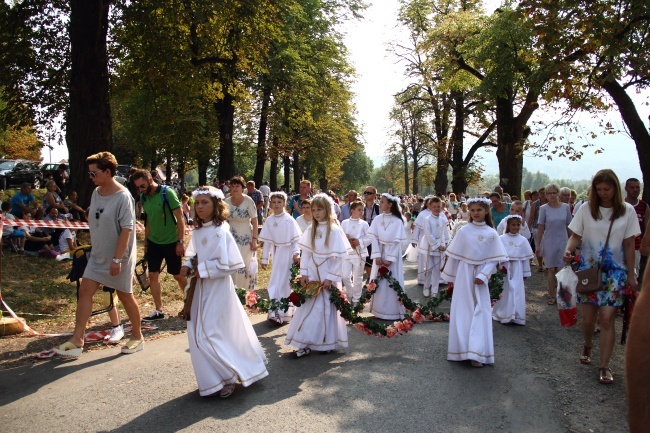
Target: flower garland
351, 313
495, 284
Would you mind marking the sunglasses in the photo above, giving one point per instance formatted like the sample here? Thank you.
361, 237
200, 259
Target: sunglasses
99, 212
368, 192
93, 174
143, 186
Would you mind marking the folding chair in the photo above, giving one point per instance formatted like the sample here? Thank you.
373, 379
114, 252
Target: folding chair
79, 263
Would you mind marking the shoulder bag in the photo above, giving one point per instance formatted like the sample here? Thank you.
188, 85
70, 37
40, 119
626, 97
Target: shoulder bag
591, 280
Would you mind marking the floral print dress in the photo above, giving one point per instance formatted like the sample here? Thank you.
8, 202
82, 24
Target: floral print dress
594, 235
242, 230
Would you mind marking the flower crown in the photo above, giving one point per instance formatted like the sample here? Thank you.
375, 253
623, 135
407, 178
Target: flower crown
509, 217
278, 194
322, 195
209, 190
483, 200
392, 198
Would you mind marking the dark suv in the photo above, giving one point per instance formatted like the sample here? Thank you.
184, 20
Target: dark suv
14, 172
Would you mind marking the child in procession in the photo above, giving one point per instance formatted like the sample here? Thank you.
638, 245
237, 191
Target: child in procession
463, 212
436, 230
356, 230
388, 241
304, 220
511, 308
223, 346
280, 235
472, 257
418, 240
317, 324
516, 208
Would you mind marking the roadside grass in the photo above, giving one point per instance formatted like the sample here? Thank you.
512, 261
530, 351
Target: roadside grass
38, 290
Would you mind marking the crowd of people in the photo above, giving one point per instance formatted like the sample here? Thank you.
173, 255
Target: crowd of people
347, 243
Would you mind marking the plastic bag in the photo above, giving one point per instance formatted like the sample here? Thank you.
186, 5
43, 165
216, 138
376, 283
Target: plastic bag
567, 281
252, 266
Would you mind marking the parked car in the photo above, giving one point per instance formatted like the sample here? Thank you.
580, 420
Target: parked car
123, 170
14, 172
49, 168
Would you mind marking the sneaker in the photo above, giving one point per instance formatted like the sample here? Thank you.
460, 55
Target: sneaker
117, 333
426, 292
156, 315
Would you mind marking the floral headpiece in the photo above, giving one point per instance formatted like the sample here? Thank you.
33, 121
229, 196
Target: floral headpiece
211, 191
485, 201
392, 198
278, 194
322, 195
509, 217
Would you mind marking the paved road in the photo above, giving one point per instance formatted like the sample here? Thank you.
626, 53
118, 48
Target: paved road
377, 385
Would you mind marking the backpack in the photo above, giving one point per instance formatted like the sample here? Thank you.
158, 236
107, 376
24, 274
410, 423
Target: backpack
165, 202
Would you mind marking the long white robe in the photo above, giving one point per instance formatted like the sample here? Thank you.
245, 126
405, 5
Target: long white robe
512, 305
280, 235
417, 237
354, 265
474, 252
436, 230
223, 344
317, 324
388, 241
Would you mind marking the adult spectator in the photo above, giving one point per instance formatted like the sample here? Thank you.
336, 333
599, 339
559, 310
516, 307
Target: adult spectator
552, 234
534, 217
112, 234
78, 214
295, 202
371, 208
335, 204
632, 192
266, 193
572, 200
23, 201
565, 196
590, 226
453, 204
345, 209
258, 199
52, 199
164, 235
61, 179
499, 209
242, 219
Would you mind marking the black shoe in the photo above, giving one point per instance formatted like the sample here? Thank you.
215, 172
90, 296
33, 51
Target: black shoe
156, 315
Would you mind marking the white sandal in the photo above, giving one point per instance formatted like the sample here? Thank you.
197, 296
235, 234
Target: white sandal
306, 351
227, 390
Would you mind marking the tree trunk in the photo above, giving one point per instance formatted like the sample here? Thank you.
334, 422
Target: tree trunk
258, 177
416, 173
405, 156
637, 129
168, 165
286, 164
225, 110
297, 171
459, 170
89, 122
273, 172
510, 150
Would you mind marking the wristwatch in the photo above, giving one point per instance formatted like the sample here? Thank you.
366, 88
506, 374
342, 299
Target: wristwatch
116, 260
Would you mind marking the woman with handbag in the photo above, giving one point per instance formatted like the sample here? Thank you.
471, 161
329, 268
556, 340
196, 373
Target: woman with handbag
606, 226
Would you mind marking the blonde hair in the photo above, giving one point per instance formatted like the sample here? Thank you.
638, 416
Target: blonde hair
323, 202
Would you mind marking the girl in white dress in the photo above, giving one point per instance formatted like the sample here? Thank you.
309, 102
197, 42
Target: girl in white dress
317, 324
511, 308
388, 241
223, 345
356, 230
472, 258
436, 230
280, 234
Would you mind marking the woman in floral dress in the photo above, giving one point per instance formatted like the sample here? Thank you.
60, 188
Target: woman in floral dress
243, 227
590, 226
